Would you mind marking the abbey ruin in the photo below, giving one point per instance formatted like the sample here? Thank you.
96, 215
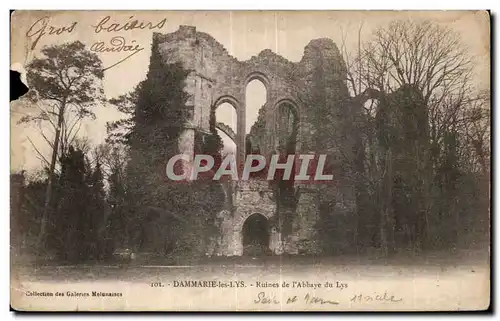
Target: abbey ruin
305, 101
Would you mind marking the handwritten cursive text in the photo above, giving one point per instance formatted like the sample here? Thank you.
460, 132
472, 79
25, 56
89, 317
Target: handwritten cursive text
309, 299
385, 297
263, 299
41, 27
105, 26
117, 44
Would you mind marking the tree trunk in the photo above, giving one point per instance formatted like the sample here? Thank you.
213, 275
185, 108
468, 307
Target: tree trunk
386, 219
48, 193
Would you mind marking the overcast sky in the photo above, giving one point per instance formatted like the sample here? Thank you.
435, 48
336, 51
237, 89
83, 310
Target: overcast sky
244, 34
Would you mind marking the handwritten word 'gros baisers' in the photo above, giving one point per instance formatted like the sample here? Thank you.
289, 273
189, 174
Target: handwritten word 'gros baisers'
41, 27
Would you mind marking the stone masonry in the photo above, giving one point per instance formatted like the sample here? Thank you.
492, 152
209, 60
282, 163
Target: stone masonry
216, 77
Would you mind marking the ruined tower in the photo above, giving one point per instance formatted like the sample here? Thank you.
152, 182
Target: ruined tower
216, 77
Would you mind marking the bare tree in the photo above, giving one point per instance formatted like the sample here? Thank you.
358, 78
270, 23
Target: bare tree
476, 129
421, 54
112, 158
432, 60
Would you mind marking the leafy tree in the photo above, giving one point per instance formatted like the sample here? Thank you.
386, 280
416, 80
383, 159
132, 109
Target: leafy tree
119, 131
67, 233
95, 213
76, 230
114, 160
65, 77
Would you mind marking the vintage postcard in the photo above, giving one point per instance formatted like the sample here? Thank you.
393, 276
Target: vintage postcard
250, 161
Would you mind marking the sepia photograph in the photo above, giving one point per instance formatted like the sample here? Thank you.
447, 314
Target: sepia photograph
250, 161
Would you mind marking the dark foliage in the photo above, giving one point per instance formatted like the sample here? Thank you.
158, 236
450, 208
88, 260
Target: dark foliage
156, 216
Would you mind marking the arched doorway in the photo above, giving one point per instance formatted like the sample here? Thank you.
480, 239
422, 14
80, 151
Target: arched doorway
255, 234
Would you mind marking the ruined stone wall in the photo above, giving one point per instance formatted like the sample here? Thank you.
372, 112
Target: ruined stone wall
216, 77
248, 198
